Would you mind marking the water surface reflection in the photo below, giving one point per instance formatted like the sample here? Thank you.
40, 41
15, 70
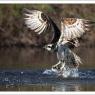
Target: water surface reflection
35, 58
39, 59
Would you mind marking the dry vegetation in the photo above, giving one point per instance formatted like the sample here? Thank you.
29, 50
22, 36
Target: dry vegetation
14, 32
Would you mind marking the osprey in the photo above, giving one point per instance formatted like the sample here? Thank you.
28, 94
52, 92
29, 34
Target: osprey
71, 30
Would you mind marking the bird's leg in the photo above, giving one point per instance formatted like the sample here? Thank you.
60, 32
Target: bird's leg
59, 66
62, 66
56, 65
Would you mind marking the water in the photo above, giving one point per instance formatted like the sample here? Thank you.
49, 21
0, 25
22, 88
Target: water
21, 69
65, 73
29, 78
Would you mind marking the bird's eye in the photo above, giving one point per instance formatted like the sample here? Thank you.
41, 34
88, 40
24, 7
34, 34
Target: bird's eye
49, 46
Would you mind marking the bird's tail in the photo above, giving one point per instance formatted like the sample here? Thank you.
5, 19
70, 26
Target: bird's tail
77, 59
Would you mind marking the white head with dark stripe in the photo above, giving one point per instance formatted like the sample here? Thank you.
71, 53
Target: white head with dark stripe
51, 47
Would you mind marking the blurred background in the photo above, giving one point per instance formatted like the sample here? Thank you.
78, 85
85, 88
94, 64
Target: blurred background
19, 47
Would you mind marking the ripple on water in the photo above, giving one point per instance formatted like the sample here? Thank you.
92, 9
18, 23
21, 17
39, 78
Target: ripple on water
19, 77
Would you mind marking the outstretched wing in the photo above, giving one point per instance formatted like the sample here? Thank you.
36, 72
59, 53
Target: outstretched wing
40, 23
72, 28
36, 20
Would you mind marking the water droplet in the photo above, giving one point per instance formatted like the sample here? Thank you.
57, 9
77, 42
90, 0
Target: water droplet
22, 72
6, 79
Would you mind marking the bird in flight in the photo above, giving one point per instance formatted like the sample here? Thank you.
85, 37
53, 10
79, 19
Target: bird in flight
71, 30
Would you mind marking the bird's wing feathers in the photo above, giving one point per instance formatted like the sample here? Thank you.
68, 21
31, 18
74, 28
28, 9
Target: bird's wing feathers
39, 22
36, 20
73, 28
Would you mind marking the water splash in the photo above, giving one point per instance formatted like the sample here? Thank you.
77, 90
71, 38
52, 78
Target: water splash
49, 76
66, 72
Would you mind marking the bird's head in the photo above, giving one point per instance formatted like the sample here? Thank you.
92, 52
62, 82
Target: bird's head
50, 47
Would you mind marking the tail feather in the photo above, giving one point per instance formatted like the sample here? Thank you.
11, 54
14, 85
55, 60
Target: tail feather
77, 59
